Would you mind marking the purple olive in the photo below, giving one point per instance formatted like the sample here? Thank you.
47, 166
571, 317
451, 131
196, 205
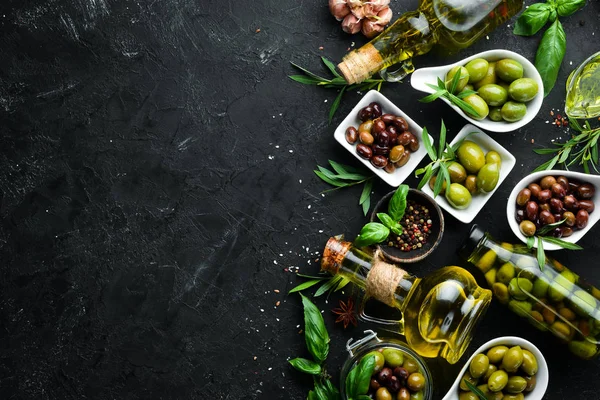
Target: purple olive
365, 113
587, 205
388, 118
531, 211
351, 135
401, 124
376, 107
586, 191
544, 195
558, 190
364, 151
555, 204
581, 219
379, 161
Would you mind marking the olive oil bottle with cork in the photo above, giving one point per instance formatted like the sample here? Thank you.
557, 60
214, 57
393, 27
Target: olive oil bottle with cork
451, 25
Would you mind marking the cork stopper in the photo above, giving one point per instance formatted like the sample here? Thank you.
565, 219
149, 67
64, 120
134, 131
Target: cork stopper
333, 255
361, 64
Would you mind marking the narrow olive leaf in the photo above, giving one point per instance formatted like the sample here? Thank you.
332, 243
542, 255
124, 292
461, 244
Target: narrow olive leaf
463, 105
530, 242
533, 19
547, 165
325, 178
454, 83
475, 390
342, 284
564, 155
331, 67
306, 80
442, 143
371, 233
366, 205
445, 174
312, 75
541, 256
316, 336
428, 174
546, 151
365, 196
562, 243
336, 104
433, 96
568, 7
547, 228
550, 54
325, 287
344, 173
450, 152
305, 285
314, 277
363, 397
465, 93
441, 83
428, 145
397, 204
306, 366
328, 173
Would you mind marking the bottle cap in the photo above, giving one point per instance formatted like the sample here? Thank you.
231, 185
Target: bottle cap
361, 64
471, 242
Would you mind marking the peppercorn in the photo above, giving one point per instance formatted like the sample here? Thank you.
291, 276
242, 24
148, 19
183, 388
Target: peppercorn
416, 228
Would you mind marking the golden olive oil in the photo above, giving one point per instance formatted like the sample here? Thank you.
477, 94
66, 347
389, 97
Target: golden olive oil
583, 90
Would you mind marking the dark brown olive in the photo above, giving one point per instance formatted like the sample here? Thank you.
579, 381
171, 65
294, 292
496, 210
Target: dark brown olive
586, 191
544, 207
401, 373
380, 150
557, 217
544, 195
547, 182
404, 138
365, 113
390, 168
401, 124
378, 127
569, 218
570, 202
379, 161
531, 211
563, 181
383, 139
393, 139
413, 145
566, 231
546, 218
573, 186
555, 204
374, 384
557, 232
394, 384
364, 151
366, 138
403, 394
558, 190
384, 375
519, 214
393, 130
581, 219
396, 153
388, 118
351, 135
376, 109
523, 197
403, 160
587, 205
535, 189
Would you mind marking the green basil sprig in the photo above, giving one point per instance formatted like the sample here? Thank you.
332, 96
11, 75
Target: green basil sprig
359, 378
375, 232
552, 47
541, 238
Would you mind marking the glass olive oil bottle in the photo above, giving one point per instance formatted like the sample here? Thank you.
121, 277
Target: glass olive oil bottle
449, 24
439, 311
583, 89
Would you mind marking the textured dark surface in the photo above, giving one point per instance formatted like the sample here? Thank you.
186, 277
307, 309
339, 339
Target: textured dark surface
156, 179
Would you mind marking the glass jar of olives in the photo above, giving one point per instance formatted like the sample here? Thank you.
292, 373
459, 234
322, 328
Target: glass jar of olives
552, 298
399, 372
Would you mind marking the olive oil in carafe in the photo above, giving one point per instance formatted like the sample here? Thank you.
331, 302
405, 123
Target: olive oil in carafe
583, 90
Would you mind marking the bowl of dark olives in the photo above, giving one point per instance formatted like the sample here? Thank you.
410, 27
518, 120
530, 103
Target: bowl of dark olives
383, 138
553, 204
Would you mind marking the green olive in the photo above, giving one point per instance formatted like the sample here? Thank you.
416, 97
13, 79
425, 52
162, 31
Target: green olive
471, 156
463, 80
471, 183
417, 395
486, 261
513, 359
496, 396
509, 70
432, 184
458, 196
527, 228
410, 365
493, 156
383, 394
561, 330
490, 276
498, 380
496, 353
491, 369
531, 381
415, 381
457, 172
396, 153
530, 364
583, 303
501, 292
479, 105
477, 69
492, 94
487, 177
490, 76
583, 349
393, 357
520, 307
479, 365
512, 111
506, 272
518, 287
379, 360
540, 287
467, 377
516, 396
495, 114
516, 384
523, 90
561, 286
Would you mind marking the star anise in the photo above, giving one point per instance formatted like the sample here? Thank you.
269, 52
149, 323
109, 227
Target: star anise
345, 313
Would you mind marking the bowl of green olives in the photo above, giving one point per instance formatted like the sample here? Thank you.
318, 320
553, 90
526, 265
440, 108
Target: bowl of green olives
505, 368
505, 89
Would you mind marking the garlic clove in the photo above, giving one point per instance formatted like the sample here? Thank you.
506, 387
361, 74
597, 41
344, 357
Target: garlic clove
379, 5
384, 16
351, 24
339, 9
371, 28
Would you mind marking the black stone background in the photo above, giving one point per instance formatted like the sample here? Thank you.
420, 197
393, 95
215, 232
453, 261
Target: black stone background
156, 179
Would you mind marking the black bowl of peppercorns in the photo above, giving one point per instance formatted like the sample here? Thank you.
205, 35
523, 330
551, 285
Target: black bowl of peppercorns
422, 224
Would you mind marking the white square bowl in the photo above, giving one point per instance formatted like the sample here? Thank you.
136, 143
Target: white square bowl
486, 143
396, 178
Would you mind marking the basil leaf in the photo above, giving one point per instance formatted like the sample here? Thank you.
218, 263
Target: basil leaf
363, 397
321, 391
350, 385
562, 243
371, 233
393, 225
315, 333
550, 54
428, 145
553, 15
533, 19
541, 256
312, 396
397, 204
304, 285
365, 371
568, 7
306, 366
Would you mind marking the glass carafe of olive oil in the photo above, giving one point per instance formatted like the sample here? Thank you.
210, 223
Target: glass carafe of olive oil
583, 89
439, 311
449, 24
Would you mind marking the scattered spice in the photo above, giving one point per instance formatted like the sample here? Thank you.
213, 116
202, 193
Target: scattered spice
257, 30
321, 48
416, 223
277, 304
255, 358
276, 290
345, 313
559, 120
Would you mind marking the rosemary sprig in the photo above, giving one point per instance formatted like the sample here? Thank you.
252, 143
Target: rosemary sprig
449, 93
541, 238
346, 176
581, 148
337, 82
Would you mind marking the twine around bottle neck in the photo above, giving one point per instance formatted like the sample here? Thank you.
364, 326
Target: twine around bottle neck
382, 280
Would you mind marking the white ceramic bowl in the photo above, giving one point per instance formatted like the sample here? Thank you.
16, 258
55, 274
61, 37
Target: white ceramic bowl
396, 178
486, 143
542, 375
421, 77
536, 177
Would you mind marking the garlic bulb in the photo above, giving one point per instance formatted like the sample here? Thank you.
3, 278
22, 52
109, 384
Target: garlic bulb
370, 17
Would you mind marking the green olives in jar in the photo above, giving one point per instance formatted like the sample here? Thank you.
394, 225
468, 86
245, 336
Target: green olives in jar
512, 111
509, 70
477, 69
523, 90
493, 95
393, 357
379, 360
